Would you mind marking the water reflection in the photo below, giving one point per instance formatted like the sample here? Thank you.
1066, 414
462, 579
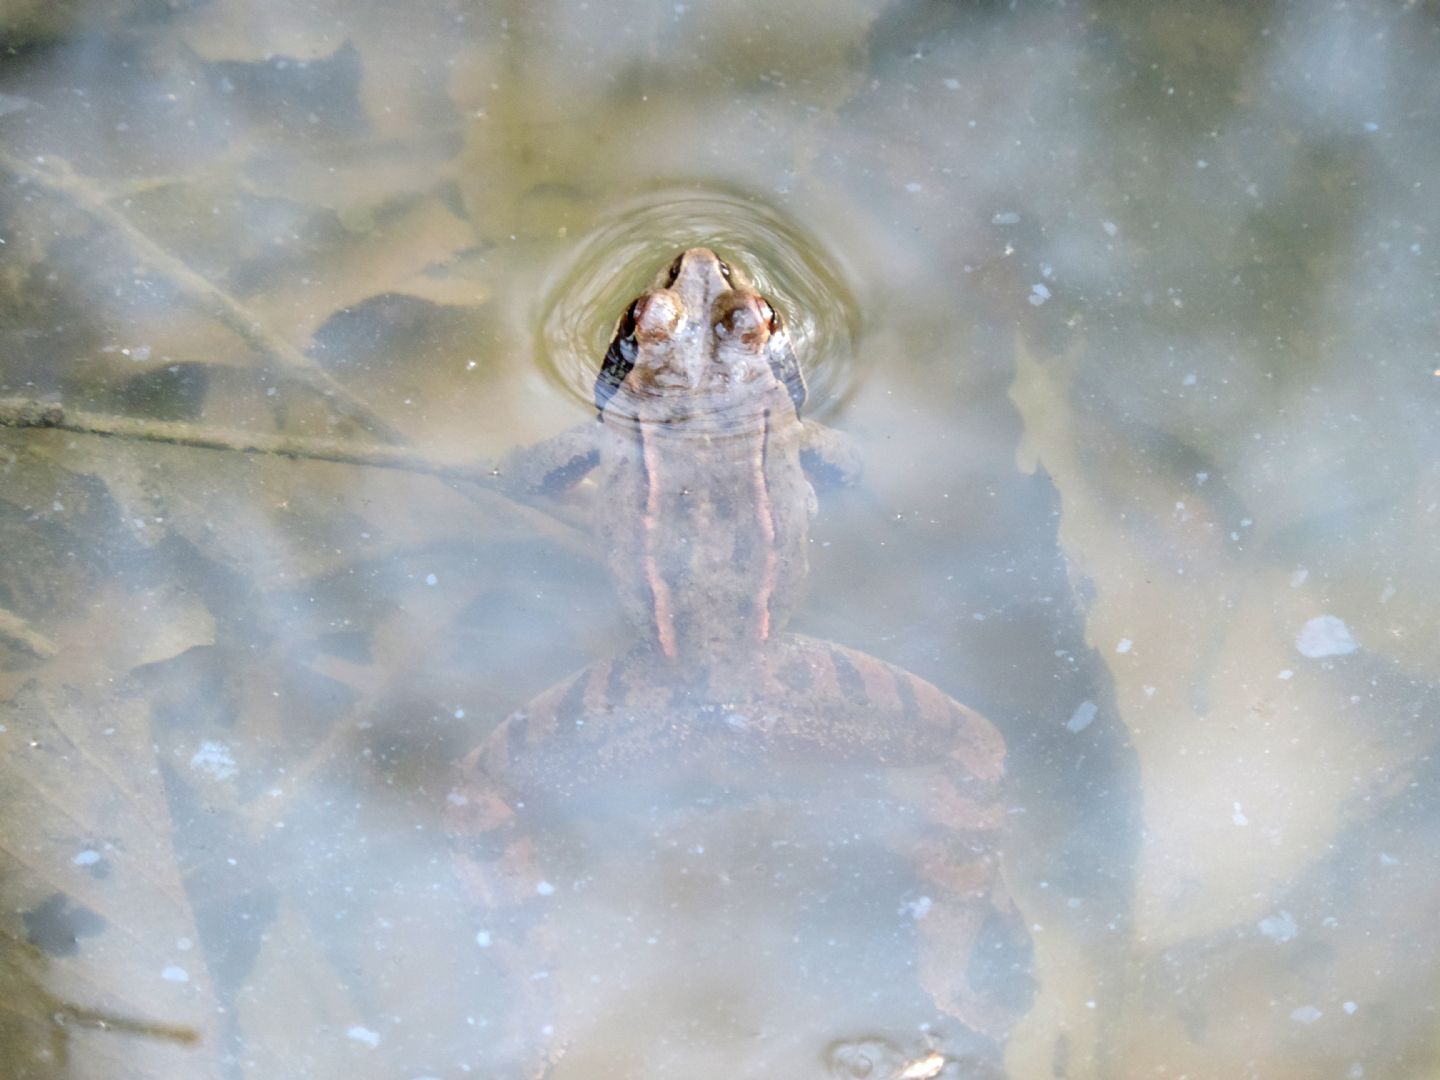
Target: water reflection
1174, 261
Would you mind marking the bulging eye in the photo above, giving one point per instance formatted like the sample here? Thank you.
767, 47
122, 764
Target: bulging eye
675, 269
769, 315
724, 269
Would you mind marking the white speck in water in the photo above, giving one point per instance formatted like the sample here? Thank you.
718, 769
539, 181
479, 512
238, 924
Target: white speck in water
184, 944
1371, 126
1082, 717
1280, 927
1038, 294
214, 758
1202, 164
952, 84
1286, 673
456, 799
1325, 635
1298, 577
1109, 227
1388, 860
1006, 217
175, 973
918, 908
1356, 1071
1350, 1008
459, 714
88, 857
1190, 380
1125, 645
545, 889
1239, 817
482, 938
364, 1035
1201, 477
1306, 1014
431, 579
913, 188
1387, 594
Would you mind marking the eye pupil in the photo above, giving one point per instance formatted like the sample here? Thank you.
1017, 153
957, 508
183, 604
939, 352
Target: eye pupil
724, 269
632, 315
770, 315
675, 269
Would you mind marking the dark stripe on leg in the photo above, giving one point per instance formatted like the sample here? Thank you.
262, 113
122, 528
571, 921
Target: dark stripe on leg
849, 679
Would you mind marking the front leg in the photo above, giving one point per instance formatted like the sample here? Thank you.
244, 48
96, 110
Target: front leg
829, 457
554, 465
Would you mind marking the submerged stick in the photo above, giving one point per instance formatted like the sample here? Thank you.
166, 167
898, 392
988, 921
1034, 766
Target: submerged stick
57, 178
24, 413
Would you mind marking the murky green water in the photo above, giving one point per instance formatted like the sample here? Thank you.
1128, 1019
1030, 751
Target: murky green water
1130, 309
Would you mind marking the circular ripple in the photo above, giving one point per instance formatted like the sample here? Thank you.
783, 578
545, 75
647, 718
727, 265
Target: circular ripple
620, 258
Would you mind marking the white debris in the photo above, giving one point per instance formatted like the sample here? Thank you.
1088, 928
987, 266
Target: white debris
364, 1035
1006, 217
1082, 717
1124, 646
1109, 227
1038, 294
1239, 817
1280, 927
1298, 577
1286, 673
482, 938
545, 889
176, 974
88, 857
1190, 380
431, 579
931, 1065
214, 758
1349, 1008
1325, 635
1306, 1014
918, 908
913, 188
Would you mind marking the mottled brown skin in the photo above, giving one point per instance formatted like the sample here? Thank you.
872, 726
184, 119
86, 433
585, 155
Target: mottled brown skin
704, 511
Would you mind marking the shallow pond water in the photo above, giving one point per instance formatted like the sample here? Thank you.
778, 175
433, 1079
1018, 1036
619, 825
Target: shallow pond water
1129, 309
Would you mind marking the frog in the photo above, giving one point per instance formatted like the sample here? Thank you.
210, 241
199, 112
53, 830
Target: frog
698, 817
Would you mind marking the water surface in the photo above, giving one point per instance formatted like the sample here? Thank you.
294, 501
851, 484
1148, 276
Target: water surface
1130, 308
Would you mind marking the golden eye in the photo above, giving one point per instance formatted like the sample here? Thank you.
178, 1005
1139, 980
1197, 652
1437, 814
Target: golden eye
769, 315
675, 269
724, 269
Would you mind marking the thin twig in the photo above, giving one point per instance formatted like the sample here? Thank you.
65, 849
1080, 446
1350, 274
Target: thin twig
23, 413
56, 177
